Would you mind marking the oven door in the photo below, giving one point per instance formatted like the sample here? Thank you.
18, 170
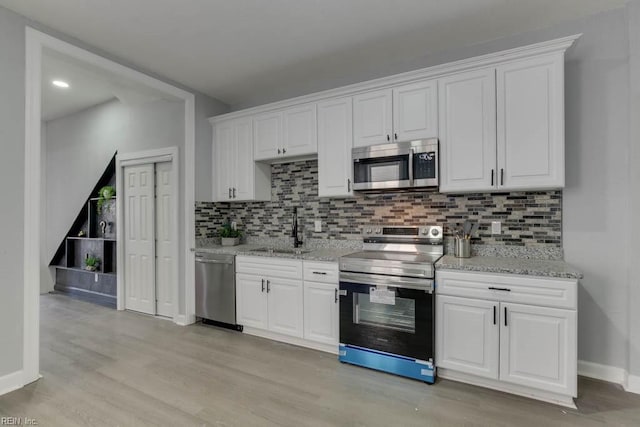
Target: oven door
387, 313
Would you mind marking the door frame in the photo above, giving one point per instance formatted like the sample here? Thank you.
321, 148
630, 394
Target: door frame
169, 154
35, 42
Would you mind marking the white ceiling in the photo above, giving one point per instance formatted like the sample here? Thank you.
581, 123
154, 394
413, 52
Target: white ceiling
238, 50
89, 86
86, 89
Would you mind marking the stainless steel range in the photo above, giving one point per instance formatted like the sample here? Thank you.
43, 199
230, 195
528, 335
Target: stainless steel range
387, 301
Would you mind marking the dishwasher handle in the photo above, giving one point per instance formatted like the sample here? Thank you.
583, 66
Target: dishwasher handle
213, 261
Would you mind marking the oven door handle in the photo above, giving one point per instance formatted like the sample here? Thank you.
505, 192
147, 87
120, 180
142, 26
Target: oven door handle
389, 281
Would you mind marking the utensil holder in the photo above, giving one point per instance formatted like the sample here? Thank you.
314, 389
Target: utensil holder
462, 248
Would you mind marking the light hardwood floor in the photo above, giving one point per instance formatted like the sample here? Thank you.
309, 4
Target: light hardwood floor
103, 367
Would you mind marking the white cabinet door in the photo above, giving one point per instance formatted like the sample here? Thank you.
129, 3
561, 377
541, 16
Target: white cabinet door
321, 312
335, 140
468, 131
415, 111
223, 160
285, 301
243, 172
251, 301
531, 123
267, 136
372, 118
300, 131
139, 244
467, 335
538, 347
165, 240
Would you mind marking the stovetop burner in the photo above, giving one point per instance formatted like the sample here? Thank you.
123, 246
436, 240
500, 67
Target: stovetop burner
397, 251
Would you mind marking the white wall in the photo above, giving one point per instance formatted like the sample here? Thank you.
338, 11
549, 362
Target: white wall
634, 187
12, 59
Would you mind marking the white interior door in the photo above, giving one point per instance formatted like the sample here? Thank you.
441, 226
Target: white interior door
139, 245
165, 262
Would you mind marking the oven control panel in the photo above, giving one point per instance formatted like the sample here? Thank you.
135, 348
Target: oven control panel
400, 232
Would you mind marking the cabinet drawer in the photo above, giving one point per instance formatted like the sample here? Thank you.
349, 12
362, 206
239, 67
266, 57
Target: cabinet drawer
324, 272
509, 288
269, 266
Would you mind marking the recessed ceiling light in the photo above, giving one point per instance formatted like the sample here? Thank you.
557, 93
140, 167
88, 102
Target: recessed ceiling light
60, 83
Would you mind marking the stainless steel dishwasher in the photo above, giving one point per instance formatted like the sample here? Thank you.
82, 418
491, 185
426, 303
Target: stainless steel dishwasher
216, 289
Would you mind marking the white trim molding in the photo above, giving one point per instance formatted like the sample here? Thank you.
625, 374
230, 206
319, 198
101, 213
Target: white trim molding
11, 382
633, 384
35, 42
598, 371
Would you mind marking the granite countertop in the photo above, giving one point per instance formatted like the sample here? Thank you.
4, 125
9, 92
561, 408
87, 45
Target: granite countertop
320, 254
529, 267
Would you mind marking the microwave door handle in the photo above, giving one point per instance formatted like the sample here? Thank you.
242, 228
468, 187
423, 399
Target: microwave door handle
411, 167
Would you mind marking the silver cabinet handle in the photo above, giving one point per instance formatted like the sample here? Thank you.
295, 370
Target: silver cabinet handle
320, 272
501, 176
229, 192
234, 192
335, 295
348, 184
492, 174
284, 150
388, 138
278, 151
212, 261
262, 285
268, 286
505, 317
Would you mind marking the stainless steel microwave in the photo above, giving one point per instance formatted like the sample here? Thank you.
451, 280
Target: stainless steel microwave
410, 164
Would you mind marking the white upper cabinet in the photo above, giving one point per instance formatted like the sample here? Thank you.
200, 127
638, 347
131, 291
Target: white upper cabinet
401, 113
289, 133
237, 177
468, 131
300, 131
335, 140
372, 118
415, 111
530, 102
223, 152
267, 135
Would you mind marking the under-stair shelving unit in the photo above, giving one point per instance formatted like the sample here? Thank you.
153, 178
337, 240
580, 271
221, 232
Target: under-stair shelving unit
88, 238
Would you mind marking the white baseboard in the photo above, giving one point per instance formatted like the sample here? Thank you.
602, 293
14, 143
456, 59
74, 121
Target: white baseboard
11, 382
597, 371
633, 384
181, 320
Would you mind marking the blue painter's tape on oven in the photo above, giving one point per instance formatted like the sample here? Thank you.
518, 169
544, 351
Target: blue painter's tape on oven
387, 362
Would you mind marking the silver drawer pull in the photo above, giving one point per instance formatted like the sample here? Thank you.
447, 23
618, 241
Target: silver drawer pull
320, 272
491, 288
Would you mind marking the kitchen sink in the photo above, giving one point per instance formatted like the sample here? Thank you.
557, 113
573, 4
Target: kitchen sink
293, 251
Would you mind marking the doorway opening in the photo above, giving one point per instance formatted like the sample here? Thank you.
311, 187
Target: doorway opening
129, 90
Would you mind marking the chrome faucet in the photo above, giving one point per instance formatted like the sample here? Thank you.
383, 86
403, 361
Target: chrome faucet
294, 231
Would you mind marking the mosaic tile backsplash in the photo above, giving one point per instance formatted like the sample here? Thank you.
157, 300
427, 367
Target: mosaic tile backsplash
530, 219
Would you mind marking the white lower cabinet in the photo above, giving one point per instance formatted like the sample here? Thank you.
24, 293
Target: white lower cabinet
275, 299
284, 297
468, 335
537, 347
321, 312
526, 349
251, 301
